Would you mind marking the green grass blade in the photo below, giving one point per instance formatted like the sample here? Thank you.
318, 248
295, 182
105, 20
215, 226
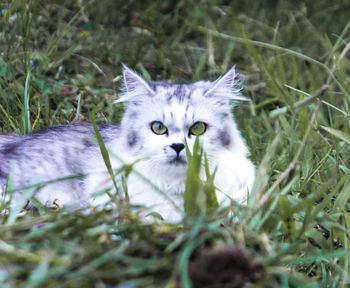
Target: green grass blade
20, 203
40, 274
209, 187
281, 49
342, 199
26, 118
338, 134
103, 149
194, 186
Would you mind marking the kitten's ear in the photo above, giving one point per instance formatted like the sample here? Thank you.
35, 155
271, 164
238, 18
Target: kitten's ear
135, 85
227, 86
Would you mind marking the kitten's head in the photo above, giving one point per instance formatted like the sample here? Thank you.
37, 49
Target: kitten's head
159, 116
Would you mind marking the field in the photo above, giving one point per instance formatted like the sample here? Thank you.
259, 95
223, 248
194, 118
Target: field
61, 60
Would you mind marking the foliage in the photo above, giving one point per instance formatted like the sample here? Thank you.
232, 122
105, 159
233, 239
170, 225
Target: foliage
61, 58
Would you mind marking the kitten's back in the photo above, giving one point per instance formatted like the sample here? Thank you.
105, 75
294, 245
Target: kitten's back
5, 139
51, 153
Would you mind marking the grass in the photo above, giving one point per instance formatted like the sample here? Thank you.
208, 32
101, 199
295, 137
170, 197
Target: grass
59, 59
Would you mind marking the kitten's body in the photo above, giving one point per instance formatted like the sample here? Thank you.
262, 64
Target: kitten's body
70, 150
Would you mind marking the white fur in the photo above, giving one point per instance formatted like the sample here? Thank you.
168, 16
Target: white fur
235, 174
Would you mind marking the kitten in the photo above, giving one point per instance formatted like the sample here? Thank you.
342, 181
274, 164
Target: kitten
157, 119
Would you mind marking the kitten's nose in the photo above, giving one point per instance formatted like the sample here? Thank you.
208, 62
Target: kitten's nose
177, 147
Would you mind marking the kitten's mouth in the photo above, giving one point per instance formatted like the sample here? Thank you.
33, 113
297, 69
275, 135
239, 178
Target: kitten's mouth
178, 161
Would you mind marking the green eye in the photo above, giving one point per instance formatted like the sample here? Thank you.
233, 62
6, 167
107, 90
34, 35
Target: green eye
198, 128
159, 128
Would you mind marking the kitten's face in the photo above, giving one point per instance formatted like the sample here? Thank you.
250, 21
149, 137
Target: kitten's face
159, 117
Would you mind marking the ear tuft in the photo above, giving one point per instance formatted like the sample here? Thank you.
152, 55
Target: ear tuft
228, 86
135, 86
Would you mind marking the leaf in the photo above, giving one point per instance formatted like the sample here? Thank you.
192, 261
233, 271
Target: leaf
103, 149
188, 152
155, 215
209, 187
317, 239
347, 219
321, 257
26, 118
145, 73
3, 68
342, 199
263, 171
307, 161
194, 186
15, 209
287, 216
183, 263
109, 256
337, 133
40, 274
38, 205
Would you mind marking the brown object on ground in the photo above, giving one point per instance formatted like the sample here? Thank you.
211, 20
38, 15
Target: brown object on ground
228, 265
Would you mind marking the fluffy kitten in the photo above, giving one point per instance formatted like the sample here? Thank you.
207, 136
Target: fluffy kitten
158, 117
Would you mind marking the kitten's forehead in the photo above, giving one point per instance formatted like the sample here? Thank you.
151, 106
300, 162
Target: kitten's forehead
179, 92
182, 105
178, 113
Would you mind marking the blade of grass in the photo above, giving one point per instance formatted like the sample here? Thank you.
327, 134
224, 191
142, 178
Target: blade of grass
293, 164
104, 151
278, 48
91, 62
302, 103
8, 117
40, 274
338, 134
54, 42
19, 205
193, 187
26, 118
209, 187
76, 118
